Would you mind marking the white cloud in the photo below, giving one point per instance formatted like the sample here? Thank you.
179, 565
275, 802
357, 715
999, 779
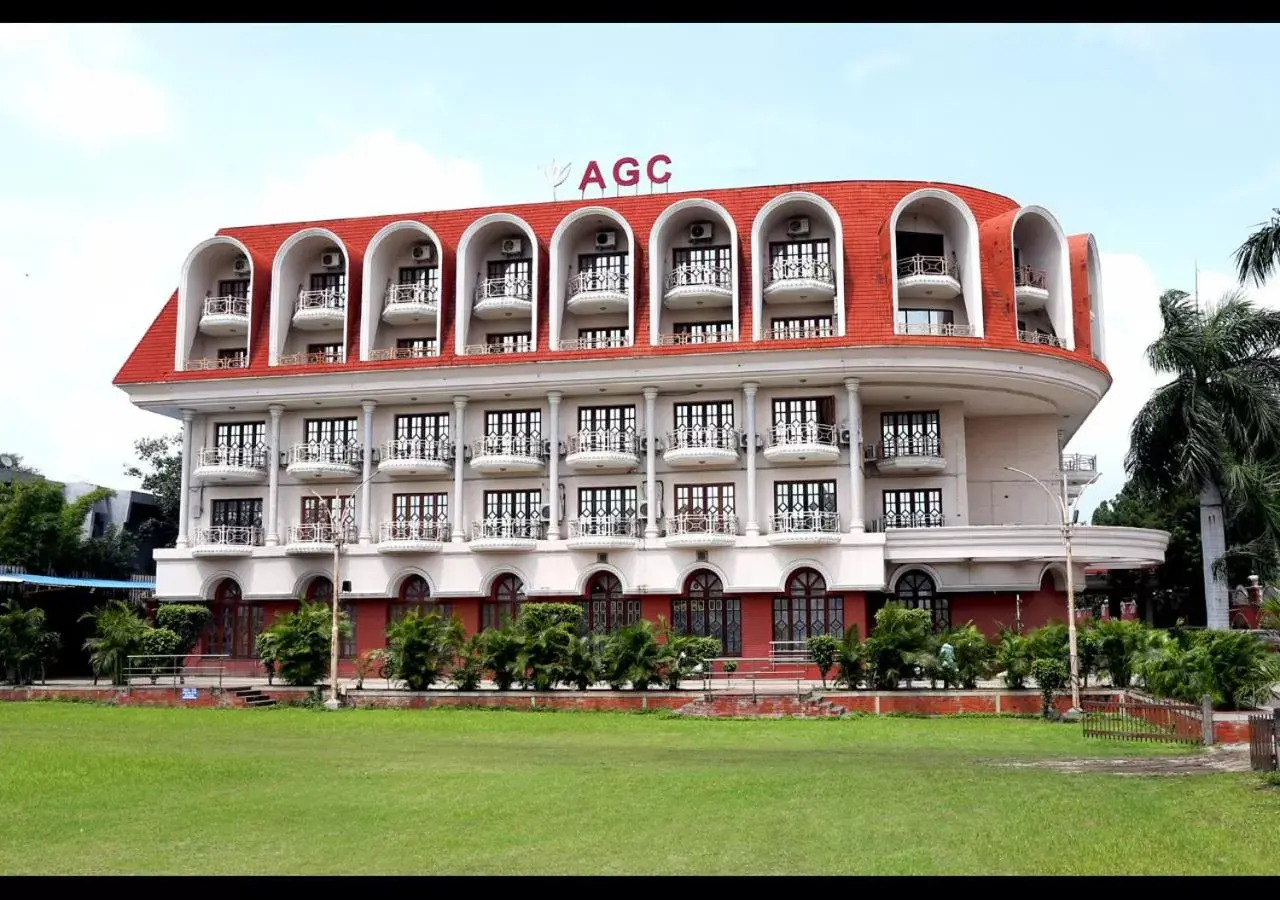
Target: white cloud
858, 72
80, 83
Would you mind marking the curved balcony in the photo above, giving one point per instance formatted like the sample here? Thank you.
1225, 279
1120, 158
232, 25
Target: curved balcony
934, 277
597, 292
685, 338
411, 304
224, 316
506, 534
802, 442
916, 455
416, 457
222, 541
1030, 287
803, 280
323, 460
800, 334
1079, 468
320, 310
1041, 339
803, 528
231, 464
503, 298
698, 286
700, 531
412, 536
596, 343
602, 450
315, 539
933, 329
216, 363
602, 533
385, 353
702, 445
498, 454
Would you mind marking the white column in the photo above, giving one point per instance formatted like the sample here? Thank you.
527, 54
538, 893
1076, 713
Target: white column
184, 496
650, 464
273, 476
753, 522
459, 460
366, 535
553, 464
857, 486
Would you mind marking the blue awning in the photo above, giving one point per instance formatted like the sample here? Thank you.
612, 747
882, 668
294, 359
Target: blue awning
58, 581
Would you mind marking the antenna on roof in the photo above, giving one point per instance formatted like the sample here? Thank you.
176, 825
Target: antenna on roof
6, 461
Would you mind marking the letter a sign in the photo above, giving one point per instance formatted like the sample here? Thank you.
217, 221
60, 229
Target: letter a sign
626, 173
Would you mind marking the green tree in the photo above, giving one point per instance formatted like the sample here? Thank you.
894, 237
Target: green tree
301, 642
159, 468
19, 466
24, 642
1215, 427
420, 648
824, 652
118, 634
39, 529
1259, 255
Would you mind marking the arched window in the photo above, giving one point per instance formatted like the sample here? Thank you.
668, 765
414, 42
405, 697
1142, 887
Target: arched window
320, 590
605, 610
705, 611
503, 605
806, 610
415, 593
916, 590
234, 628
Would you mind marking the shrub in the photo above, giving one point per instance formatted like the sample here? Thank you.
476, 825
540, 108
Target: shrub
1013, 658
160, 646
302, 642
546, 630
420, 647
894, 649
187, 620
536, 616
1051, 676
117, 635
25, 646
632, 654
1050, 642
1120, 643
48, 645
469, 667
1235, 668
266, 648
501, 649
973, 655
852, 659
580, 666
684, 655
824, 650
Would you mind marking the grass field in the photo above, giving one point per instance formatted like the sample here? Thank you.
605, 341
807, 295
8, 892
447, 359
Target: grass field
87, 789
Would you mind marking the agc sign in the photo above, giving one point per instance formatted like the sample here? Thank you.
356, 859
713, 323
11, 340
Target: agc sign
626, 173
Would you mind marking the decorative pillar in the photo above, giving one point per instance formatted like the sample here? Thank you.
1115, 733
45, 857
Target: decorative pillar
857, 485
273, 475
553, 464
650, 464
184, 496
459, 459
753, 523
366, 535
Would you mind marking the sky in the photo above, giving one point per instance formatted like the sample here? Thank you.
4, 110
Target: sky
121, 147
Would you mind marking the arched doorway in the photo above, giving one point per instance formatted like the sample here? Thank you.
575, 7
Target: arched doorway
806, 609
320, 590
916, 590
705, 611
506, 595
235, 624
415, 593
604, 610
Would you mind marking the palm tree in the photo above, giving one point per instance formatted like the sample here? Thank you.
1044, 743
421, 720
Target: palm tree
1259, 255
1215, 428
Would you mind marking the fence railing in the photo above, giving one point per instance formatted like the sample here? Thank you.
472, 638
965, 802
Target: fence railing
711, 437
1028, 276
1264, 742
914, 518
927, 445
1042, 338
504, 289
805, 522
324, 298
800, 333
319, 533
175, 668
216, 363
418, 448
416, 293
612, 342
702, 523
595, 281
430, 530
934, 266
803, 268
423, 352
338, 452
1079, 462
509, 528
229, 536
933, 329
497, 348
226, 306
1135, 717
250, 457
603, 440
321, 358
699, 274
530, 445
802, 433
680, 338
603, 526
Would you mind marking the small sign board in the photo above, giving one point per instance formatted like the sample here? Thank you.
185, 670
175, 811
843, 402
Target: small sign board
190, 693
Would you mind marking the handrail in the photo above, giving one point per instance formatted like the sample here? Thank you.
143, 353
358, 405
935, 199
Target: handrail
497, 349
1028, 276
530, 445
911, 445
312, 359
319, 533
341, 452
690, 274
414, 292
681, 338
1079, 462
805, 522
806, 268
427, 530
232, 455
226, 306
933, 329
711, 437
216, 363
596, 343
603, 440
415, 448
1042, 338
229, 535
792, 433
913, 519
504, 288
935, 266
603, 526
711, 522
509, 527
384, 353
800, 334
593, 280
324, 298
173, 667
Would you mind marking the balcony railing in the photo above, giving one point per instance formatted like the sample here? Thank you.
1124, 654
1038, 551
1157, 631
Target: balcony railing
497, 349
226, 306
915, 518
689, 337
596, 343
710, 437
933, 329
800, 334
324, 298
911, 445
498, 288
933, 266
320, 533
1043, 338
339, 452
603, 440
232, 455
435, 531
229, 536
591, 281
531, 445
603, 526
415, 448
804, 268
712, 522
384, 353
416, 292
805, 522
793, 433
519, 528
1028, 276
311, 359
700, 274
211, 363
1078, 462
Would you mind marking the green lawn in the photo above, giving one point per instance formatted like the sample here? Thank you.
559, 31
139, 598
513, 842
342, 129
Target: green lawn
87, 789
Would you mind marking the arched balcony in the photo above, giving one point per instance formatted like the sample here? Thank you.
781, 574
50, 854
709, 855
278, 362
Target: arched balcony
593, 291
215, 297
498, 269
401, 309
1042, 279
936, 274
310, 279
797, 245
693, 275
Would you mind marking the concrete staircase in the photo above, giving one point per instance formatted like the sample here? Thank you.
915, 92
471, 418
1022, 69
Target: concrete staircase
253, 698
762, 706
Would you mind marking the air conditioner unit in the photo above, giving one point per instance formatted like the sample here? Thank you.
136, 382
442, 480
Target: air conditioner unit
798, 227
701, 231
643, 512
331, 259
546, 513
511, 246
606, 240
869, 453
423, 252
845, 436
241, 265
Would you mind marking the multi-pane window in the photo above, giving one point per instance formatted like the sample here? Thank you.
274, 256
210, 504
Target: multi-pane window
593, 338
511, 277
415, 594
620, 420
245, 513
604, 510
234, 625
324, 512
602, 271
238, 288
510, 342
705, 332
798, 328
420, 508
701, 499
800, 259
514, 514
426, 276
704, 415
703, 265
916, 590
605, 610
806, 610
521, 423
414, 347
797, 497
327, 352
241, 443
804, 411
925, 317
332, 431
705, 611
422, 425
503, 605
910, 434
329, 281
915, 508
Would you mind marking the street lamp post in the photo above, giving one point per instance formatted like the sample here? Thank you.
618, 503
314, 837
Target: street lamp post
1067, 511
